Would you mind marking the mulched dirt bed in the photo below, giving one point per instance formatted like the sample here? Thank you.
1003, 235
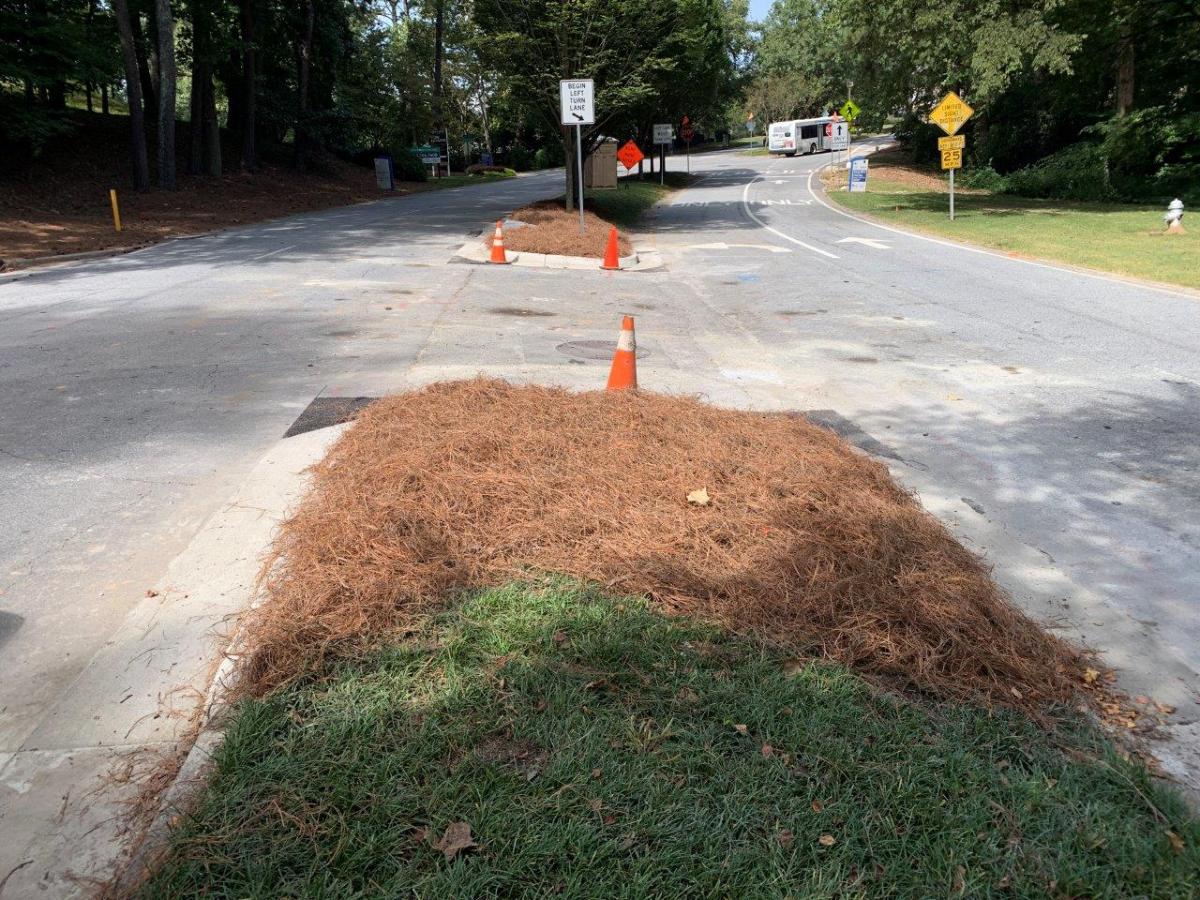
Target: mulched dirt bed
548, 228
806, 543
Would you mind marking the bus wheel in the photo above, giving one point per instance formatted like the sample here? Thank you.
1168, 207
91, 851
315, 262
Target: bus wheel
790, 155
812, 148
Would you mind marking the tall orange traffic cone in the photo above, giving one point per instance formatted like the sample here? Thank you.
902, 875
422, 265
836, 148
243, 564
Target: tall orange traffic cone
623, 374
612, 258
498, 254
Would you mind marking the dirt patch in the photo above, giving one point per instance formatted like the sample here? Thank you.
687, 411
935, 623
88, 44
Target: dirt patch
551, 229
806, 543
896, 166
60, 204
36, 224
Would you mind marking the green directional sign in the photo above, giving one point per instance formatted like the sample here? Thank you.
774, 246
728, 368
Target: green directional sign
849, 110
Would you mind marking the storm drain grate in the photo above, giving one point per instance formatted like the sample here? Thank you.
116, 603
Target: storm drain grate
325, 412
594, 350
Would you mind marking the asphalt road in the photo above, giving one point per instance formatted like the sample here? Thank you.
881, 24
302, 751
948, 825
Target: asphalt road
1051, 418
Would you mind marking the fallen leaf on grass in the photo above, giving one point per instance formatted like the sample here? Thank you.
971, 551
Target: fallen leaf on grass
817, 806
559, 637
785, 838
827, 840
1091, 675
767, 750
699, 497
741, 729
1176, 841
456, 839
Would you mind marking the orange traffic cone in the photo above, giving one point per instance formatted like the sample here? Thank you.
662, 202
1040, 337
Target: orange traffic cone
498, 256
612, 258
623, 374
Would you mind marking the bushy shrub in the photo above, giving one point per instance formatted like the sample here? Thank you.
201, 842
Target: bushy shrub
481, 169
548, 157
519, 158
408, 166
982, 178
1077, 172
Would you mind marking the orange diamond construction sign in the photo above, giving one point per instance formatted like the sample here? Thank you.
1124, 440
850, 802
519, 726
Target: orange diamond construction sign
630, 154
951, 114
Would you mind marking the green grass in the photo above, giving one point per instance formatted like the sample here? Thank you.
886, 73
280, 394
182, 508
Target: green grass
453, 181
597, 749
1120, 238
625, 204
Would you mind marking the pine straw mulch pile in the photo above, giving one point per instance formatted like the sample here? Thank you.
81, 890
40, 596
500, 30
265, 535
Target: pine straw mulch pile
548, 228
806, 543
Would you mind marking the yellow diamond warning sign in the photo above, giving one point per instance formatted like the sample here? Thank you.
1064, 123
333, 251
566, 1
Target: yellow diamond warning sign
951, 113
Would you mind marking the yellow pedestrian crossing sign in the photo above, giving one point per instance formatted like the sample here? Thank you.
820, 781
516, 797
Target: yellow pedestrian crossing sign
951, 114
849, 110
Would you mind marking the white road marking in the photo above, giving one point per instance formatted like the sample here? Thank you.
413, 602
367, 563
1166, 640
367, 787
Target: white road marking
723, 246
1131, 282
870, 242
272, 253
776, 231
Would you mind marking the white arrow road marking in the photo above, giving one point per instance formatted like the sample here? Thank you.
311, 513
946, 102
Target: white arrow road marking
776, 231
724, 246
870, 242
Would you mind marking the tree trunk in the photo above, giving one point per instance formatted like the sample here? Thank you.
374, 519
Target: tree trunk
305, 66
196, 100
568, 139
87, 89
133, 88
249, 88
212, 127
104, 98
1125, 71
148, 91
166, 94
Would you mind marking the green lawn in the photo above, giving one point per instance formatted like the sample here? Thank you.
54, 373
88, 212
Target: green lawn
453, 181
596, 749
629, 200
1121, 238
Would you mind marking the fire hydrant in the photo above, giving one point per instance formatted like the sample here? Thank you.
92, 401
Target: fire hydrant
1174, 217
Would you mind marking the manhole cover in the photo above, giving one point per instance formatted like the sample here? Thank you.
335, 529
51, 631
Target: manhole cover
593, 349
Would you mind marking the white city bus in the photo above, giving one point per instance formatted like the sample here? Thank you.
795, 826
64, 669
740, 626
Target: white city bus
800, 136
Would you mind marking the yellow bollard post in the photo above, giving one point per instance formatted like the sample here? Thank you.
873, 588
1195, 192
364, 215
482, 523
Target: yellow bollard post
116, 210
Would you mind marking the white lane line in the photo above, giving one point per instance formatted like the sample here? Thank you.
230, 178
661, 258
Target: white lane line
272, 253
1127, 282
870, 242
776, 231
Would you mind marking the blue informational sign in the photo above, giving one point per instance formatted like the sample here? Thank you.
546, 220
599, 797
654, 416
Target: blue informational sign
485, 158
858, 173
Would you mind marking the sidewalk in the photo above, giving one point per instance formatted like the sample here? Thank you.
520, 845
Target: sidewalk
66, 795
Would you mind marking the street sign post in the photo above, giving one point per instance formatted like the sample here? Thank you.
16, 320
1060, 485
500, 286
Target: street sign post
950, 115
686, 132
577, 101
858, 174
663, 135
841, 139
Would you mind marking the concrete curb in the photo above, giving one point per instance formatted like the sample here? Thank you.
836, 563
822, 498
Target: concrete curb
190, 777
155, 686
